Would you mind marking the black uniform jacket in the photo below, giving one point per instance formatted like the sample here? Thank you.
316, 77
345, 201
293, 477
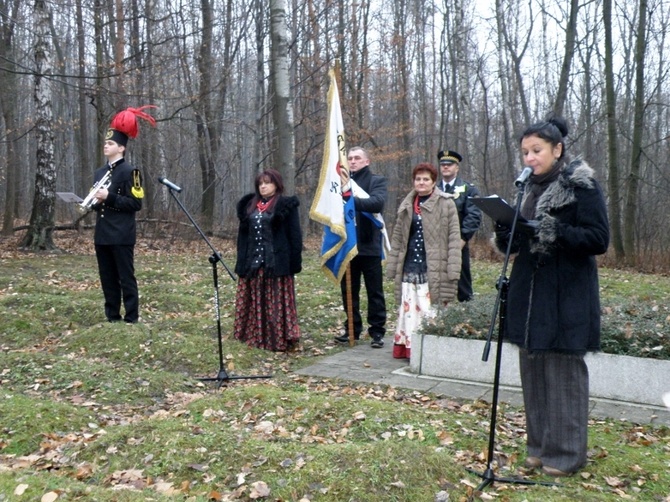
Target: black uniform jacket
115, 220
469, 215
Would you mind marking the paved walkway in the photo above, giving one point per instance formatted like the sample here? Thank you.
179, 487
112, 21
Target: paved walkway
377, 366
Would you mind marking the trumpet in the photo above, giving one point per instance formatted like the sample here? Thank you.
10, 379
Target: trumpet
104, 182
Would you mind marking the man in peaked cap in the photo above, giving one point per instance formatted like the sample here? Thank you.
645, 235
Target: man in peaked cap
116, 205
469, 215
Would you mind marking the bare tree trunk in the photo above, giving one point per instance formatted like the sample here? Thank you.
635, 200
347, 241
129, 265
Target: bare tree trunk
570, 36
246, 176
207, 135
402, 84
82, 175
8, 77
40, 232
516, 50
283, 104
507, 112
630, 213
463, 65
99, 92
613, 181
452, 141
119, 47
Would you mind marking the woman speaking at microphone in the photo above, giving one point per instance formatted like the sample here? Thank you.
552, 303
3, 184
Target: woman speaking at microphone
553, 301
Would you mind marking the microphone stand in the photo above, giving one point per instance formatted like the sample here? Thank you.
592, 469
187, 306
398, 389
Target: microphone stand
222, 375
488, 476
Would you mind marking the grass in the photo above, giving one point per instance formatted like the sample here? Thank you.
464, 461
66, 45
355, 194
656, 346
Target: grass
109, 412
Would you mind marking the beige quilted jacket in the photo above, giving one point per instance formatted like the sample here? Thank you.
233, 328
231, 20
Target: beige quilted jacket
442, 237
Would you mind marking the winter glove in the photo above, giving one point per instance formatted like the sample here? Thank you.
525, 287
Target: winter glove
529, 227
502, 232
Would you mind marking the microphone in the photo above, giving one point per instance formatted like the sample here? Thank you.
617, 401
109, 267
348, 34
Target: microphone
174, 187
523, 177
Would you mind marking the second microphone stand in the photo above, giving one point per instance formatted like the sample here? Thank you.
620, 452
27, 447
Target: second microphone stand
222, 376
488, 476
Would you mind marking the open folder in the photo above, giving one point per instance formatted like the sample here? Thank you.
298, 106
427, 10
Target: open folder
498, 209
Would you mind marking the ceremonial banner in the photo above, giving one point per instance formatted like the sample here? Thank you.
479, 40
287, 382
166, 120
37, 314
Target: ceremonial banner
329, 208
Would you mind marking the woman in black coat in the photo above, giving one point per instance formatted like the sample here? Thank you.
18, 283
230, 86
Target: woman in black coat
269, 253
553, 300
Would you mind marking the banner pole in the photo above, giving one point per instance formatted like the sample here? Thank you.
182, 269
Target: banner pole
350, 306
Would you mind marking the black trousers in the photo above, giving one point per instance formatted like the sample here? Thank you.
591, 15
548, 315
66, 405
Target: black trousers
465, 282
117, 276
370, 267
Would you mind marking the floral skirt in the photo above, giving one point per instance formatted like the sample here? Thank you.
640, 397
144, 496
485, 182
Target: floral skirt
414, 307
265, 312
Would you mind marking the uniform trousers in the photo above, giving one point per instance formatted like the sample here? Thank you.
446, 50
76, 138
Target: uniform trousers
117, 277
556, 399
465, 281
370, 267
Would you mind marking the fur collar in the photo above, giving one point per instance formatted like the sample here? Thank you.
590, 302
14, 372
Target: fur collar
560, 193
283, 206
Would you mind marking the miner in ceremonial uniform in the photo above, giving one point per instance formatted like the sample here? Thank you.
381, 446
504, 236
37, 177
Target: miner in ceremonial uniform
116, 203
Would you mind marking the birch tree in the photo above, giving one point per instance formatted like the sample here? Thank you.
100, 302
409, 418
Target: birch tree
40, 231
283, 104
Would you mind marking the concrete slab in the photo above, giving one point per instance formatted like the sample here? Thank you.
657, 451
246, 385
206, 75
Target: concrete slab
377, 366
627, 379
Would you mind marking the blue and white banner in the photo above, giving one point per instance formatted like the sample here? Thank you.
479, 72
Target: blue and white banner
329, 208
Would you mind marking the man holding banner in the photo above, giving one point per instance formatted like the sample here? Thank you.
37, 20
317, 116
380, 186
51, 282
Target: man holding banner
369, 194
354, 233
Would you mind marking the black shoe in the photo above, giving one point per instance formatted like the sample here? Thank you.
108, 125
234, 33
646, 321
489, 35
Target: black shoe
345, 338
377, 343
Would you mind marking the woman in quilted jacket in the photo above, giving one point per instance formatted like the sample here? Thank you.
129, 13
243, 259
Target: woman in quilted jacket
425, 257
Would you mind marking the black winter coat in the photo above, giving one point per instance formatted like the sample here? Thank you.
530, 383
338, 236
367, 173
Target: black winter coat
553, 300
368, 236
115, 220
286, 238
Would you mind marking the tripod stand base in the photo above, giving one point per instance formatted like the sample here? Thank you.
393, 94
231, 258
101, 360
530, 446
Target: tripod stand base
489, 478
223, 376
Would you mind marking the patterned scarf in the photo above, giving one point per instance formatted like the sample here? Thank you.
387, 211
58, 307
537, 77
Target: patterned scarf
536, 187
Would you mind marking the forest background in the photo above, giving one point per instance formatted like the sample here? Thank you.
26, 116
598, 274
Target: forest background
241, 85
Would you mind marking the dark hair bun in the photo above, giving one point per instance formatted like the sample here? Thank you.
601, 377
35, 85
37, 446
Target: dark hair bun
559, 122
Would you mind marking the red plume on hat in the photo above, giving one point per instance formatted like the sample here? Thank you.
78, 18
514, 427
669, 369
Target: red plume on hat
126, 121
